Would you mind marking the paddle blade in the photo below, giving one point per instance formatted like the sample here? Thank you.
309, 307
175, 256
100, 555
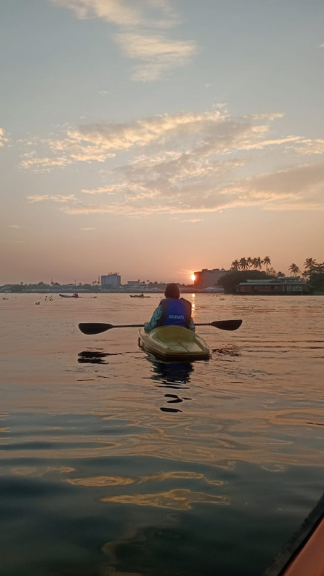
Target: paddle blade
227, 324
94, 327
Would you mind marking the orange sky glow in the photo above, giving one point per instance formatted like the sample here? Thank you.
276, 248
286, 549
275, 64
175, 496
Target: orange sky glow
168, 147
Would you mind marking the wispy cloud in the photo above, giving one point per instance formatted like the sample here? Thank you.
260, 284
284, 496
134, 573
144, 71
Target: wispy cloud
14, 226
52, 197
206, 134
118, 12
294, 182
296, 188
309, 147
45, 164
187, 163
3, 139
140, 24
87, 229
193, 220
157, 54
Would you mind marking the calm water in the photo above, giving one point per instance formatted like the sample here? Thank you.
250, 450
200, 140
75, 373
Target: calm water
113, 464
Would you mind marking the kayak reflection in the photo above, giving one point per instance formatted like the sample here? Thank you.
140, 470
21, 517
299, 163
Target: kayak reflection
93, 357
174, 376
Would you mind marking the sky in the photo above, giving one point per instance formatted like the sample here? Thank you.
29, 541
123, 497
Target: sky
158, 137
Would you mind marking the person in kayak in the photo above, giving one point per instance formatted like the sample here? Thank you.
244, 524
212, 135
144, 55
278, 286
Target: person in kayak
172, 310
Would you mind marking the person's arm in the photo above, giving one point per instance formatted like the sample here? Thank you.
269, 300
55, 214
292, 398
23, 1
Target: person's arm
153, 323
192, 325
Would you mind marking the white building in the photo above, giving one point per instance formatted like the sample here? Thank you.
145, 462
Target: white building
111, 281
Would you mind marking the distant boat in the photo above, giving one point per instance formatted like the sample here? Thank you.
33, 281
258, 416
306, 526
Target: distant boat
69, 295
138, 296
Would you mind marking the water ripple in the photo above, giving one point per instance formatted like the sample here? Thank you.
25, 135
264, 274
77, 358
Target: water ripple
112, 463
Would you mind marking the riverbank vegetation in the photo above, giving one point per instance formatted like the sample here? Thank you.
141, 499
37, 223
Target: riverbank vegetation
247, 268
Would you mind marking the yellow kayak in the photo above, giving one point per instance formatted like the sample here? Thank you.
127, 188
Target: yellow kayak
174, 343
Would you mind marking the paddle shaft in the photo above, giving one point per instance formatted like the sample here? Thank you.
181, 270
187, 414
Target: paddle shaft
96, 328
141, 325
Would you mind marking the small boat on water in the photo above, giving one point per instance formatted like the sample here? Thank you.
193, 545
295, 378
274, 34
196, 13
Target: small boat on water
303, 554
174, 343
69, 295
138, 296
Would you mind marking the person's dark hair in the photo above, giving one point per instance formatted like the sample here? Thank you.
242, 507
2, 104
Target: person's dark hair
172, 291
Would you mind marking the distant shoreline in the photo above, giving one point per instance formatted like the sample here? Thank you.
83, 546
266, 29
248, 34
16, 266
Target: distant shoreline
183, 291
98, 292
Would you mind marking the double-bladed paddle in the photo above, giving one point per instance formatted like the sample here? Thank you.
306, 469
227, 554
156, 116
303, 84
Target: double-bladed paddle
96, 328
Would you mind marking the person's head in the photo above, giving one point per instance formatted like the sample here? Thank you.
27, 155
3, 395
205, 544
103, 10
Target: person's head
172, 291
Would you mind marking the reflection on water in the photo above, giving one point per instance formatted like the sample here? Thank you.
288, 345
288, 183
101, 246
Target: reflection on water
124, 481
113, 463
173, 376
93, 357
175, 499
229, 350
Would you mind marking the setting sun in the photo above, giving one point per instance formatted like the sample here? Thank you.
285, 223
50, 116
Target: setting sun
193, 277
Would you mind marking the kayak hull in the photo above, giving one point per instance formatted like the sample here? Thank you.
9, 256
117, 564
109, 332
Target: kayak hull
174, 343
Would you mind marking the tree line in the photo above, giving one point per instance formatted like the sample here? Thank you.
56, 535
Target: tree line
251, 268
248, 263
313, 274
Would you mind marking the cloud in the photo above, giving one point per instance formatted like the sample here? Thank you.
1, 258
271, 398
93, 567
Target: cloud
15, 226
52, 198
45, 164
118, 12
296, 188
124, 13
142, 36
308, 147
3, 139
187, 163
208, 133
158, 54
321, 45
193, 220
87, 229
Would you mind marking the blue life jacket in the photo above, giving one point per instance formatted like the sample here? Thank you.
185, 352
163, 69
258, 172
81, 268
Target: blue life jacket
175, 311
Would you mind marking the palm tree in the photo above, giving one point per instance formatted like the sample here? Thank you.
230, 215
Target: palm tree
294, 269
243, 264
235, 265
310, 263
266, 261
258, 262
249, 262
